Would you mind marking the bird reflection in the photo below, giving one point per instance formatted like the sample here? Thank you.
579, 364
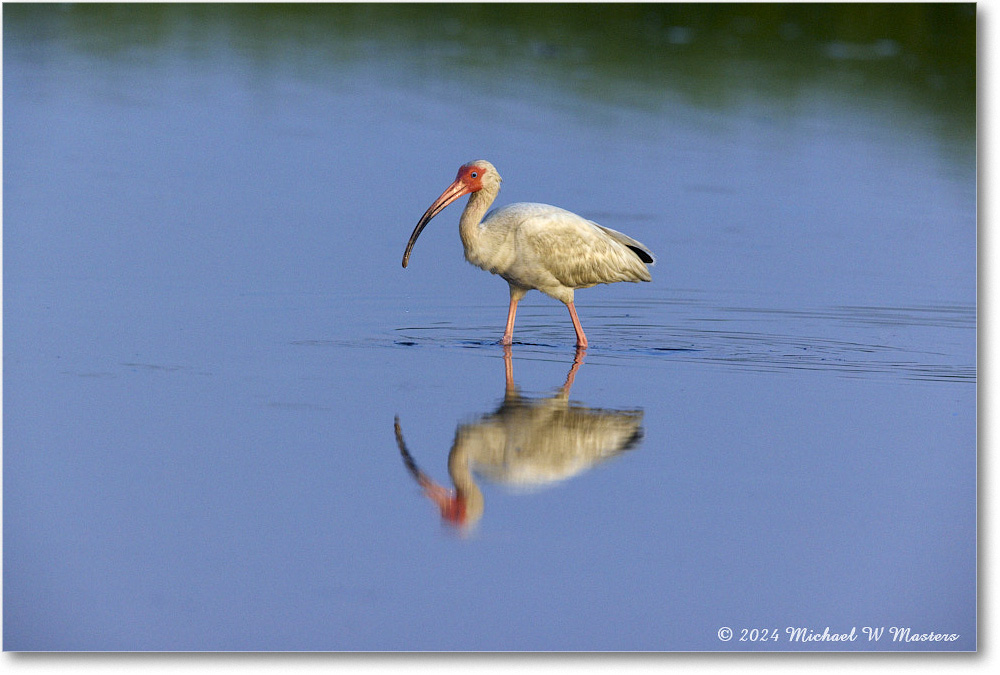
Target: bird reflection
526, 442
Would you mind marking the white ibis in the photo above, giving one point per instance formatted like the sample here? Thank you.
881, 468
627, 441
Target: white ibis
535, 246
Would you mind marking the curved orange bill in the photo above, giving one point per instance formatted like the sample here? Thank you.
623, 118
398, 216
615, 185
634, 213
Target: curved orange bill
454, 191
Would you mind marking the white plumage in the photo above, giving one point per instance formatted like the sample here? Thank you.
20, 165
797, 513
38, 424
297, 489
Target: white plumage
536, 246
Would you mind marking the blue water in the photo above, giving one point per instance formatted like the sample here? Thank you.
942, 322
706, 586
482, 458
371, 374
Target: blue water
208, 338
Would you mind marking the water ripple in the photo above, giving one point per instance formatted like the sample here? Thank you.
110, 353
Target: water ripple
924, 343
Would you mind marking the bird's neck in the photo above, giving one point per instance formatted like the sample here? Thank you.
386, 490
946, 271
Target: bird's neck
460, 472
472, 216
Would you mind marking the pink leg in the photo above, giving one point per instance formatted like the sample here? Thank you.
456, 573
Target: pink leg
581, 339
508, 334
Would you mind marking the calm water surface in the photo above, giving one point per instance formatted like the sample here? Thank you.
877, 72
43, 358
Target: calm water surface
233, 421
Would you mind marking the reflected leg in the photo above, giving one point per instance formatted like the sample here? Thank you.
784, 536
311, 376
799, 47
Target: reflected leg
571, 375
510, 389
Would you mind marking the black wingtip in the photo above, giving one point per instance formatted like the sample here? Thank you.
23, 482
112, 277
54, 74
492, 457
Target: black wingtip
643, 255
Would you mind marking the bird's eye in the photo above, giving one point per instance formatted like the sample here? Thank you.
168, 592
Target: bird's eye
474, 174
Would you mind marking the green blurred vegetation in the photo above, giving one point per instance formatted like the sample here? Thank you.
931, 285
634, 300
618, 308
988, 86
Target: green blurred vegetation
623, 52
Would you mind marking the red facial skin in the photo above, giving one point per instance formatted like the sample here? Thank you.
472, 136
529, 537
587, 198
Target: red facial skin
451, 502
471, 176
